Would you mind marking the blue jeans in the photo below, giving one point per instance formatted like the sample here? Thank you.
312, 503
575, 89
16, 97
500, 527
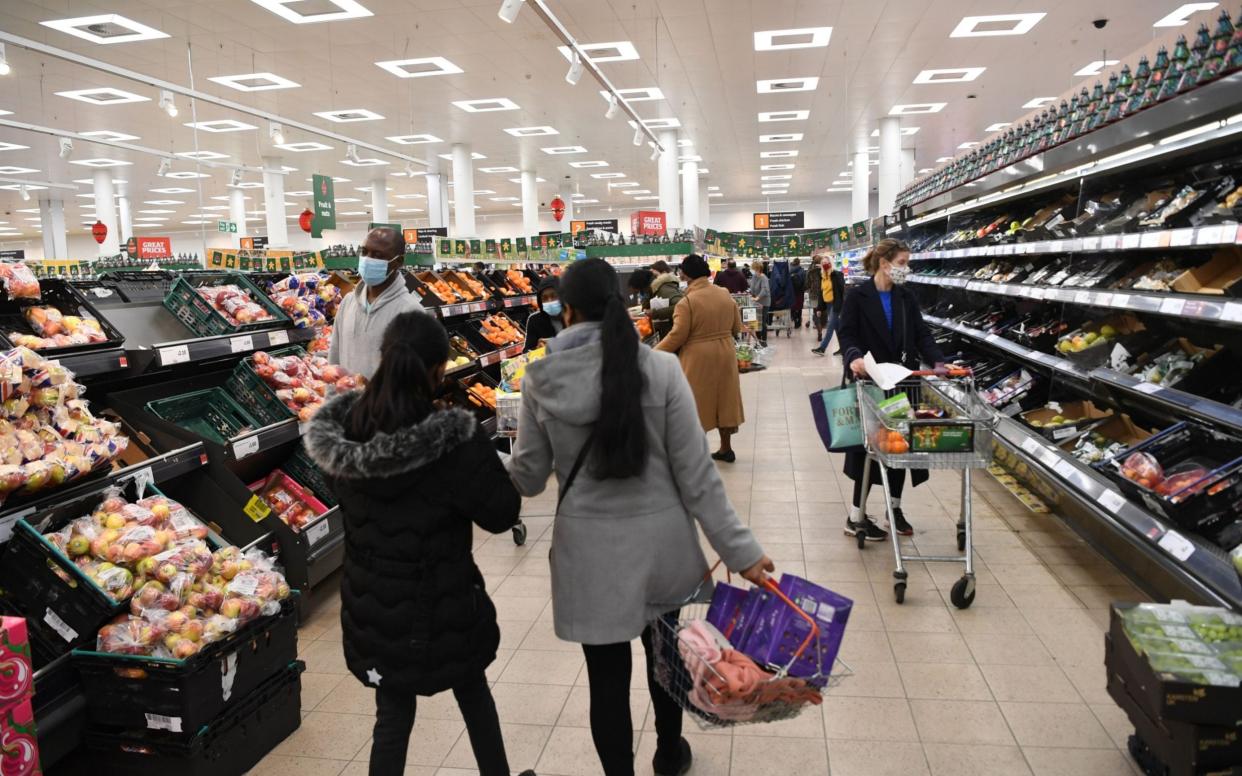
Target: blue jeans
829, 329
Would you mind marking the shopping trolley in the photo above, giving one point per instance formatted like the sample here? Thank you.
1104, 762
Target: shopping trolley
780, 320
947, 427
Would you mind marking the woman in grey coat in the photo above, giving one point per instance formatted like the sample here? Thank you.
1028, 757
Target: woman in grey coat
761, 292
617, 424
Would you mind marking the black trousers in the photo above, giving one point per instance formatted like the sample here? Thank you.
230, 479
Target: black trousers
394, 719
612, 728
896, 484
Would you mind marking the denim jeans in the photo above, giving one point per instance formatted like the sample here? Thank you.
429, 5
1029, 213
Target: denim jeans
829, 329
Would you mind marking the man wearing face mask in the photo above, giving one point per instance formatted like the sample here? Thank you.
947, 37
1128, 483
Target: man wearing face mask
380, 296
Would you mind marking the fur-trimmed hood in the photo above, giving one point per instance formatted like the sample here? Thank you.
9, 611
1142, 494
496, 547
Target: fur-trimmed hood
383, 455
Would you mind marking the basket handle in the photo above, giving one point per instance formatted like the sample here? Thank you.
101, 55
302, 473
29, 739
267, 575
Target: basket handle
772, 587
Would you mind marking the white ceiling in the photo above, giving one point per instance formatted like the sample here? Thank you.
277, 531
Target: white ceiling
700, 53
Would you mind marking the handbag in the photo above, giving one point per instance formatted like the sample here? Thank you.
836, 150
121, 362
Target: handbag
837, 419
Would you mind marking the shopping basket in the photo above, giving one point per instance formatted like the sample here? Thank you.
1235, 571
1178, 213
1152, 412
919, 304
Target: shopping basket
945, 426
690, 665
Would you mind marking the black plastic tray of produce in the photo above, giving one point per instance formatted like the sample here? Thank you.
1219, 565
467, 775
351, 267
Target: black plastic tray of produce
232, 743
64, 297
140, 285
122, 690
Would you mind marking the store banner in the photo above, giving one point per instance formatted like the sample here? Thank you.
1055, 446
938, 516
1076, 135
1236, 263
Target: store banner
519, 246
421, 240
12, 255
254, 243
794, 219
506, 248
860, 231
600, 224
325, 205
154, 248
648, 222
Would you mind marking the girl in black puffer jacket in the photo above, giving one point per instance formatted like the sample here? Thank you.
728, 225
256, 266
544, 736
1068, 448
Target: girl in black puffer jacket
411, 479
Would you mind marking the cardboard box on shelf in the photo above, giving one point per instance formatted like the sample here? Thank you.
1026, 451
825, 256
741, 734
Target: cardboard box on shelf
1120, 428
1079, 416
1222, 274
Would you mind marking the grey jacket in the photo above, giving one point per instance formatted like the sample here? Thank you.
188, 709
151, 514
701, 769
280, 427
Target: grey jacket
761, 289
358, 332
623, 551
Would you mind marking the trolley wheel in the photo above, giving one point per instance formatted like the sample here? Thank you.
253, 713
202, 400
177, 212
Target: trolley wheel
519, 534
862, 539
963, 593
961, 540
899, 592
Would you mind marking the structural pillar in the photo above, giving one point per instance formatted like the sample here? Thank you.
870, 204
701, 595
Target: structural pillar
237, 212
689, 194
463, 191
669, 195
890, 163
907, 167
105, 211
126, 217
379, 199
530, 203
52, 219
704, 204
274, 203
436, 212
860, 199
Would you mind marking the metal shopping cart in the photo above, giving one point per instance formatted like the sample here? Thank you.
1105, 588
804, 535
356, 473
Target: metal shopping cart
780, 320
947, 426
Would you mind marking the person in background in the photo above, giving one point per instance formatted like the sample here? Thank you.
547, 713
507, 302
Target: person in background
797, 279
613, 419
832, 290
882, 317
761, 292
380, 296
639, 286
666, 293
704, 326
816, 293
733, 279
415, 615
546, 323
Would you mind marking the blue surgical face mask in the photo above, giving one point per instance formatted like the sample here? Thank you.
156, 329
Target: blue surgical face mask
373, 271
553, 308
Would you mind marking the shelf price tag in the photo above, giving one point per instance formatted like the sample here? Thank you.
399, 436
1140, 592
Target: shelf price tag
1032, 446
1104, 300
1148, 388
1064, 469
1121, 300
317, 532
1176, 545
1082, 297
1056, 246
1172, 306
1111, 500
1110, 242
244, 448
256, 509
241, 344
177, 354
1150, 239
1232, 312
275, 338
1129, 241
1090, 243
1182, 238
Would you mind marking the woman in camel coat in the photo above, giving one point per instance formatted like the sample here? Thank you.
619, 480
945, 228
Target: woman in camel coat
704, 325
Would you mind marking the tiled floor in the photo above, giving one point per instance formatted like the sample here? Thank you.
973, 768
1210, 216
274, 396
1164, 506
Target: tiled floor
1012, 686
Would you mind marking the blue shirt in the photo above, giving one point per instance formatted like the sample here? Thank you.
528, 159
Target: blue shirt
886, 300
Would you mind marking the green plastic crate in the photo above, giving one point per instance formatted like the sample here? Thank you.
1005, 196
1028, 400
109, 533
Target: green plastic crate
256, 396
210, 413
200, 318
303, 470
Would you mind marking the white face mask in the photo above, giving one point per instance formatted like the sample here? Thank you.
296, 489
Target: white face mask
899, 274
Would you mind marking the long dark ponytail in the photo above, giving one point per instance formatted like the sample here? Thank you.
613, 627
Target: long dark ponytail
400, 392
591, 288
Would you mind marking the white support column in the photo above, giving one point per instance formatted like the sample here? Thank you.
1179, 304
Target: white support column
860, 199
704, 205
890, 163
530, 203
436, 212
670, 200
105, 211
126, 214
444, 202
237, 212
689, 195
907, 167
52, 219
568, 199
463, 191
379, 199
274, 203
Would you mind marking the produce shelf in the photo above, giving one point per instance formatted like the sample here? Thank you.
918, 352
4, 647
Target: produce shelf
1164, 239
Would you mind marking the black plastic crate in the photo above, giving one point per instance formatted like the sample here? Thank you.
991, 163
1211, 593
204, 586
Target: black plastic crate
307, 473
210, 413
140, 285
64, 297
184, 302
125, 690
232, 743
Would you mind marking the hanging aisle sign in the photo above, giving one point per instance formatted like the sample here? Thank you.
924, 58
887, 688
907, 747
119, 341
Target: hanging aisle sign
423, 240
601, 224
325, 205
794, 219
154, 248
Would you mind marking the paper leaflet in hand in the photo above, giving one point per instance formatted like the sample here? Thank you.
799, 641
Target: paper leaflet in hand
885, 375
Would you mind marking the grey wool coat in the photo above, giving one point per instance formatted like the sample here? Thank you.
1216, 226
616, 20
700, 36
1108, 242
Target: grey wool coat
623, 551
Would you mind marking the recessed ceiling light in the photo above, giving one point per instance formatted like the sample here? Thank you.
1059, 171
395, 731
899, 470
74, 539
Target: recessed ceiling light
788, 137
420, 67
805, 37
917, 107
480, 192
564, 150
870, 162
969, 144
12, 170
766, 167
475, 155
603, 176
103, 95
221, 125
486, 106
305, 145
202, 155
109, 135
587, 201
635, 95
12, 147
408, 210
503, 199
587, 165
905, 131
255, 82
157, 212
163, 202
413, 139
1038, 102
500, 169
775, 85
364, 162
949, 75
842, 183
647, 198
344, 9
942, 159
347, 115
689, 158
248, 185
617, 51
184, 175
106, 28
638, 191
519, 180
1096, 67
195, 222
411, 196
837, 189
997, 126
998, 24
100, 162
531, 131
354, 212
775, 177
335, 179
785, 115
348, 199
658, 124
777, 154
926, 170
624, 184
305, 193
1182, 14
715, 194
172, 190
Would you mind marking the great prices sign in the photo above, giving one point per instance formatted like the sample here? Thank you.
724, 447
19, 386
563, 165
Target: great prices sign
650, 222
154, 247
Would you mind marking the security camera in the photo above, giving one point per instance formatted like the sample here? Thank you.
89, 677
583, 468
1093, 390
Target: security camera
1100, 23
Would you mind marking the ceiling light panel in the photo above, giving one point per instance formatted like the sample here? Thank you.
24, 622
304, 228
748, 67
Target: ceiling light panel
658, 124
775, 177
624, 184
475, 155
519, 180
643, 94
503, 199
201, 155
108, 135
782, 85
997, 126
106, 29
163, 202
689, 158
364, 162
784, 115
221, 125
348, 115
617, 51
326, 10
304, 146
420, 67
587, 165
555, 150
486, 106
505, 169
611, 176
1182, 14
531, 131
184, 175
413, 139
1039, 102
781, 40
255, 82
950, 75
917, 107
100, 162
788, 137
172, 190
12, 147
998, 24
905, 131
103, 95
777, 154
766, 167
1097, 67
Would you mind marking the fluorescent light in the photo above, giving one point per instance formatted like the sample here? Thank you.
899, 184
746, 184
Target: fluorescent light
103, 95
837, 189
659, 123
624, 184
650, 198
842, 183
157, 212
503, 199
1019, 24
111, 25
480, 192
248, 184
519, 180
781, 40
944, 159
413, 139
410, 196
776, 154
364, 162
1182, 14
616, 51
766, 167
184, 175
784, 115
997, 126
926, 170
499, 169
917, 107
486, 106
949, 75
904, 131
588, 165
775, 177
689, 158
642, 94
781, 85
347, 115
172, 190
346, 9
5, 67
255, 82
13, 170
608, 175
1038, 102
221, 125
968, 144
531, 131
788, 137
100, 162
408, 210
638, 191
587, 201
564, 150
1096, 67
475, 155
201, 155
107, 134
163, 202
419, 67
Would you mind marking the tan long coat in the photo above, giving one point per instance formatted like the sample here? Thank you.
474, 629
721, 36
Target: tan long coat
704, 325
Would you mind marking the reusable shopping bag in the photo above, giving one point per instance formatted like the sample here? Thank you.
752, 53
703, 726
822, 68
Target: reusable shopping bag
836, 418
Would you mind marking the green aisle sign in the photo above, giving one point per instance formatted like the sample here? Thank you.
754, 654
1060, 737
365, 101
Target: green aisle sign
227, 226
325, 205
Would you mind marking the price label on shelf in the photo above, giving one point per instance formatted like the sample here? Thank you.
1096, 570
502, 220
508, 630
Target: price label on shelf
256, 509
1111, 500
1082, 297
1056, 246
161, 722
244, 448
1090, 243
1049, 458
1172, 306
1152, 239
1032, 446
275, 338
241, 344
1104, 300
1148, 388
1130, 241
1065, 469
1182, 237
176, 354
1110, 242
1232, 312
1214, 235
1176, 545
1121, 300
317, 532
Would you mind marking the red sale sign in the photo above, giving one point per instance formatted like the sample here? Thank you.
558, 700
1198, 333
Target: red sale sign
647, 222
154, 248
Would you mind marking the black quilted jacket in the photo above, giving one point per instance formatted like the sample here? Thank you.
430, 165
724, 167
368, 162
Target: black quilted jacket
414, 610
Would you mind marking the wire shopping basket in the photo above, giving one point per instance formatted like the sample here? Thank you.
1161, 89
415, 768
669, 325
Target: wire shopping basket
942, 425
720, 687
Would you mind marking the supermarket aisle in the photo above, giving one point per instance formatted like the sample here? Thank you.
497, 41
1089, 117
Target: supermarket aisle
1012, 686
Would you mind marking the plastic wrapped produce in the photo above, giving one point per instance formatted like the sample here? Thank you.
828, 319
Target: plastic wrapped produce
19, 282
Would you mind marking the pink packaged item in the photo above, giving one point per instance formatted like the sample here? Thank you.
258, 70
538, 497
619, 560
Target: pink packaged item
16, 671
19, 747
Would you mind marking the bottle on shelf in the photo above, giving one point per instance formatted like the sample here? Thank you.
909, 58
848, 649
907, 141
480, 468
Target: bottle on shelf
1100, 114
1125, 85
1194, 65
1087, 115
1151, 86
1214, 65
1233, 60
1177, 66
